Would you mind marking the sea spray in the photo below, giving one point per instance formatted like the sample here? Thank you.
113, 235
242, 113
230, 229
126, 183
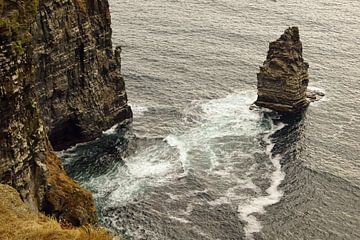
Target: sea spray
258, 204
111, 130
183, 155
211, 164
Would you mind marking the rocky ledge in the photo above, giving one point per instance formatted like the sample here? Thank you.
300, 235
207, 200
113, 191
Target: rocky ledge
283, 78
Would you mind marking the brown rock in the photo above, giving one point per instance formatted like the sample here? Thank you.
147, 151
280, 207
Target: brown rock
79, 82
64, 198
283, 79
27, 162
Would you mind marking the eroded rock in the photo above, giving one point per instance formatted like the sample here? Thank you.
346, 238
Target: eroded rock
283, 78
81, 67
81, 89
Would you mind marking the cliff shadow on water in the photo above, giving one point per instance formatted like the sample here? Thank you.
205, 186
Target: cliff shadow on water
286, 139
95, 158
284, 146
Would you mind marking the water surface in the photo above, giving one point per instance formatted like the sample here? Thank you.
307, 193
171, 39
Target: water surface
201, 165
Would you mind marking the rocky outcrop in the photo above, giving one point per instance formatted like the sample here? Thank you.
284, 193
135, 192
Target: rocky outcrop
26, 160
59, 77
19, 222
23, 143
81, 90
283, 79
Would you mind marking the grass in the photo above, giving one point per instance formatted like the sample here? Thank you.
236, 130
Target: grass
82, 5
17, 221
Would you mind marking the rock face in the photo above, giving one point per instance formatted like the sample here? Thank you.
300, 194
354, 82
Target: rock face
81, 90
283, 79
26, 160
58, 76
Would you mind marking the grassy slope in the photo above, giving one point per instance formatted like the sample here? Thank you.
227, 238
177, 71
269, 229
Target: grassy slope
17, 221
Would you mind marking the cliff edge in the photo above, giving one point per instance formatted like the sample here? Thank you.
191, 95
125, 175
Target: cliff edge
79, 83
18, 222
59, 80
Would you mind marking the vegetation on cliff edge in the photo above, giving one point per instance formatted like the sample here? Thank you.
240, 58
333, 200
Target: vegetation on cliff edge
17, 221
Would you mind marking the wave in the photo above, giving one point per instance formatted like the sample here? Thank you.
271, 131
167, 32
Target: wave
183, 155
217, 152
258, 204
325, 98
111, 130
139, 110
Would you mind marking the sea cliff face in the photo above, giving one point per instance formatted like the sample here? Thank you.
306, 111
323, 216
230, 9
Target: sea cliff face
283, 79
58, 77
23, 143
81, 90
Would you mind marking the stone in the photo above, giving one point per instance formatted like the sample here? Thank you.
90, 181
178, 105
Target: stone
283, 78
68, 89
79, 82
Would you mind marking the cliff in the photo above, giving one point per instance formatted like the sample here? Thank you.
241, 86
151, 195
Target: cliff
81, 90
283, 78
59, 78
16, 220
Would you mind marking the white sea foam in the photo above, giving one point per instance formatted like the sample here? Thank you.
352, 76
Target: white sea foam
139, 110
181, 146
320, 90
233, 107
179, 219
258, 204
201, 149
111, 130
316, 89
229, 116
249, 184
147, 168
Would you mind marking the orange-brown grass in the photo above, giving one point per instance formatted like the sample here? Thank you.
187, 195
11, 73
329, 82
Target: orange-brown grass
82, 5
17, 222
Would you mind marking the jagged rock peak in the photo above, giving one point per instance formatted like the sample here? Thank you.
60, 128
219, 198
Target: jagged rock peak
283, 78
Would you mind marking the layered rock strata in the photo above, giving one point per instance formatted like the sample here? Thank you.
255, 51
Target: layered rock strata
26, 159
81, 90
283, 78
58, 76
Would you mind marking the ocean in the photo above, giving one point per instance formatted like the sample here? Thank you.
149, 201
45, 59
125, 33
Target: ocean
199, 164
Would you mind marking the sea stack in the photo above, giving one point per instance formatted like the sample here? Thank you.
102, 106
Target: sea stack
283, 79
